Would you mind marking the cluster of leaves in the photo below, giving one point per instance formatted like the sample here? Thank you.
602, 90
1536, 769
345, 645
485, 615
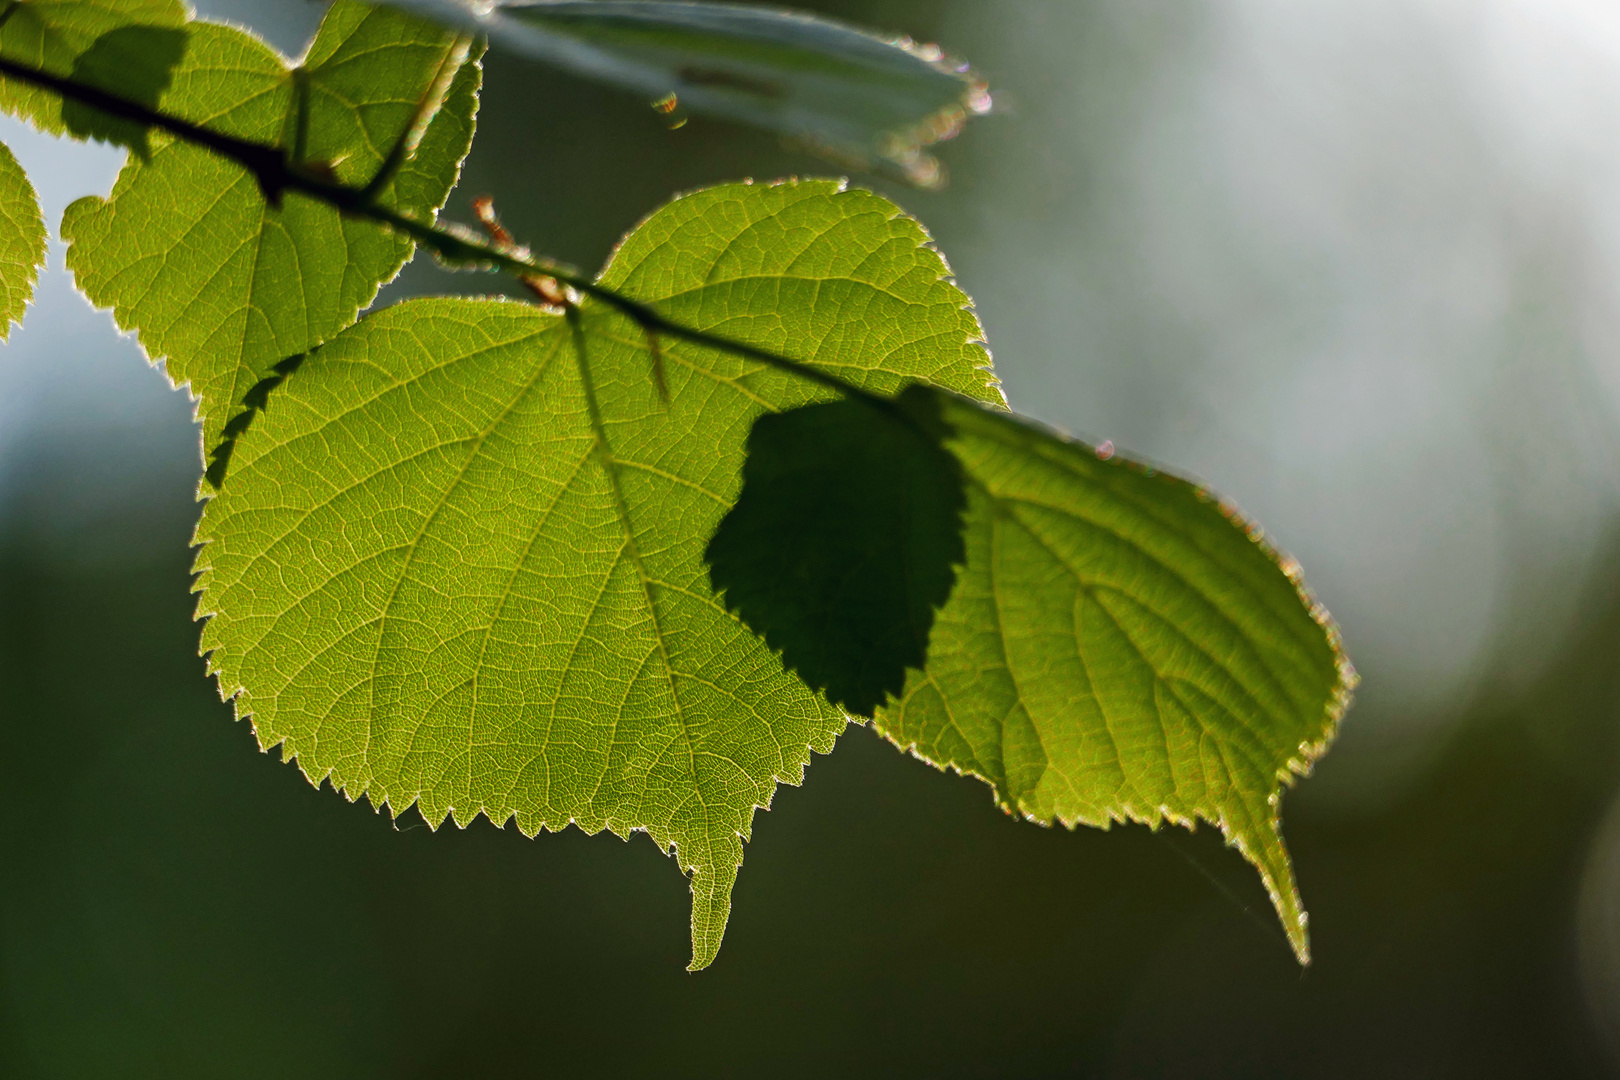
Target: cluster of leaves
625, 558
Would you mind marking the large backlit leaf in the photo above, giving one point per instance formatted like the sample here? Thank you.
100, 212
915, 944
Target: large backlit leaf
458, 563
1121, 647
187, 252
22, 241
1116, 647
862, 97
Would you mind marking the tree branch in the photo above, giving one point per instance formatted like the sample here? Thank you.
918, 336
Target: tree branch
277, 174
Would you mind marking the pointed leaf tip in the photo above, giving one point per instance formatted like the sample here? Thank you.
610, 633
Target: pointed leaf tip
1119, 647
500, 537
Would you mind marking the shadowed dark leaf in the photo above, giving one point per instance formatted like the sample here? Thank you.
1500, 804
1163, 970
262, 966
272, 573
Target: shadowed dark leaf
55, 35
135, 62
844, 541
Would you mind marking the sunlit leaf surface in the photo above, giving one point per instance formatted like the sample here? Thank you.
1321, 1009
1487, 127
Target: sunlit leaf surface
848, 92
188, 254
1116, 646
1121, 647
458, 560
482, 558
22, 241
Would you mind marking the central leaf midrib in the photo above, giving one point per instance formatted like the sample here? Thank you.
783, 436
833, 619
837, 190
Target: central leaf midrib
604, 450
415, 545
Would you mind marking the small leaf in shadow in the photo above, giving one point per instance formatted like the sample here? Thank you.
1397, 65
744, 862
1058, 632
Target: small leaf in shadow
844, 541
136, 63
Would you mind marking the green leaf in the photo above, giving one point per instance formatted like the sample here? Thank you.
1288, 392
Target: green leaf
55, 35
858, 96
187, 253
844, 540
22, 241
458, 562
1116, 647
1121, 647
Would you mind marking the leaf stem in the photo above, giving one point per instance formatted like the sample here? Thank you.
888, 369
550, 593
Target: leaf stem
276, 175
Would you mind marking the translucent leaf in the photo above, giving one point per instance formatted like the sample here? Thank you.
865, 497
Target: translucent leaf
22, 241
458, 560
56, 34
188, 254
1121, 647
856, 95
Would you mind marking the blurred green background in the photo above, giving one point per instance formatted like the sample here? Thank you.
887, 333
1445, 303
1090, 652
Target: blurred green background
1356, 264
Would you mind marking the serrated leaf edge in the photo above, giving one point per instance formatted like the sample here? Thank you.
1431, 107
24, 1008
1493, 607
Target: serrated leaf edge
1296, 767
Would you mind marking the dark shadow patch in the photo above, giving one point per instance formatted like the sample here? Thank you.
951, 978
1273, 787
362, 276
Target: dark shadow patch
844, 541
254, 402
135, 62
